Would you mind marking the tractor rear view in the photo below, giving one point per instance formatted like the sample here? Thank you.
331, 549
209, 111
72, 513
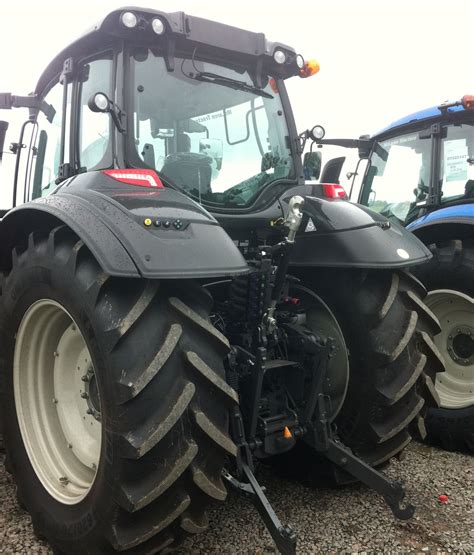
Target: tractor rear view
177, 303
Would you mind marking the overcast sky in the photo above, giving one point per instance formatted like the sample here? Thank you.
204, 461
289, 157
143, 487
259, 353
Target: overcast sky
379, 59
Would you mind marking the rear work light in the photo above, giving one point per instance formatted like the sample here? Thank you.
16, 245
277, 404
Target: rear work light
334, 191
142, 178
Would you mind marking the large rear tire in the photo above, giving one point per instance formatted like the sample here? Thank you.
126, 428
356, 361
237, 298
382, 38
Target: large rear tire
449, 278
152, 388
392, 358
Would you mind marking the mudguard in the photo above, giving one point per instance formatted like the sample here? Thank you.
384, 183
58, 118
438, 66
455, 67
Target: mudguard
133, 231
337, 233
457, 214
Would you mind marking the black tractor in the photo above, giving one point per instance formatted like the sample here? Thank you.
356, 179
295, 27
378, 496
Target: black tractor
179, 302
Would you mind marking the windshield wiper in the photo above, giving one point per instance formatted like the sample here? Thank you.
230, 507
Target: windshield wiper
207, 77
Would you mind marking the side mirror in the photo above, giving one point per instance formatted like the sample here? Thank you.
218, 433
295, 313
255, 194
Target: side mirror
3, 133
312, 165
212, 148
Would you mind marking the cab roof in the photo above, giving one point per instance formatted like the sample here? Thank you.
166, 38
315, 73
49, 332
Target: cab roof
433, 113
232, 43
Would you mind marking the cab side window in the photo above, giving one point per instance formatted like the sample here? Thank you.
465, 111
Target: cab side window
456, 167
95, 127
48, 142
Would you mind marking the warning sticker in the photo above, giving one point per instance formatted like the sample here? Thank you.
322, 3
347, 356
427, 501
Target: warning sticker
455, 156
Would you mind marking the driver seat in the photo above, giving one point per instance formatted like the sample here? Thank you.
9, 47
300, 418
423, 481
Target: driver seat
189, 170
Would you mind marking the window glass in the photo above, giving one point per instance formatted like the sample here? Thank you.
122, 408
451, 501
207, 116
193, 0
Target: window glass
217, 141
95, 126
398, 176
48, 143
457, 162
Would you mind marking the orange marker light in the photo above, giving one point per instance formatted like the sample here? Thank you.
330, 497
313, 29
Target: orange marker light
286, 433
273, 85
468, 101
311, 67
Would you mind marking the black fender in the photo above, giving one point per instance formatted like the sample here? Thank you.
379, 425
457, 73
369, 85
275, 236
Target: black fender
337, 233
132, 231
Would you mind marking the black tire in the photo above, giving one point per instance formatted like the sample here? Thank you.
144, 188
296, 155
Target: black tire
164, 399
452, 267
392, 358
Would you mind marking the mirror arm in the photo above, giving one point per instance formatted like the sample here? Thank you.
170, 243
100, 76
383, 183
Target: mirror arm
346, 143
9, 101
118, 117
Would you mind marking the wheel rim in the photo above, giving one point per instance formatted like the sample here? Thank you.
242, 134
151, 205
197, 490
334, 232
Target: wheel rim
455, 312
57, 401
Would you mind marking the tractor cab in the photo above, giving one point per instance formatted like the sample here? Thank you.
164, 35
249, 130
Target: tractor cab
190, 103
422, 163
419, 164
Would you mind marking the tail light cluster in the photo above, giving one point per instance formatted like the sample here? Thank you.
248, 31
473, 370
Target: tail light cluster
142, 178
333, 191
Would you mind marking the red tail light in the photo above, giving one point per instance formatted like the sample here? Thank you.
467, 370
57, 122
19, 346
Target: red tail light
142, 178
334, 190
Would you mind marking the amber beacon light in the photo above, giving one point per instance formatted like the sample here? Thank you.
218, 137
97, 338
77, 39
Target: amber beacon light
311, 67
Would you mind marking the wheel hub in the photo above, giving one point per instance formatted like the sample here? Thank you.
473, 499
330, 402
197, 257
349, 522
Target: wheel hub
461, 345
92, 393
320, 319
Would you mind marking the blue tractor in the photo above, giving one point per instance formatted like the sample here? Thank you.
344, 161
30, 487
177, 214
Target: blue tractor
420, 173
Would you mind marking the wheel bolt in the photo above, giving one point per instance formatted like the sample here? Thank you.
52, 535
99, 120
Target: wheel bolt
69, 445
88, 411
64, 480
94, 466
85, 378
84, 395
73, 327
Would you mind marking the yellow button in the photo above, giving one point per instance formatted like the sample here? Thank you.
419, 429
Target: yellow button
148, 222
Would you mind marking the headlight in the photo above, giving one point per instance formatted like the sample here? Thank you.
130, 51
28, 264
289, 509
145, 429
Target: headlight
129, 19
158, 26
279, 56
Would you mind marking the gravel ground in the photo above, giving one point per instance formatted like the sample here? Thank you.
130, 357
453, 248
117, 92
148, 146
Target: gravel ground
347, 520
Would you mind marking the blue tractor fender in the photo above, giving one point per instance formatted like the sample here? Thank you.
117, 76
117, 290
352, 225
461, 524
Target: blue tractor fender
461, 213
452, 222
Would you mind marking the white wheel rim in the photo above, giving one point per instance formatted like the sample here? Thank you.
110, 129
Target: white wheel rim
455, 312
57, 401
